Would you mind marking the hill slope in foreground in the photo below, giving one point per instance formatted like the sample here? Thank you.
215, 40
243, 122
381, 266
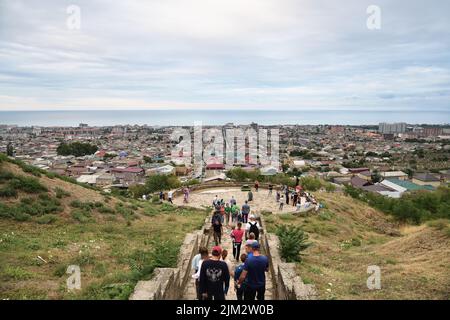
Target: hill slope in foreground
348, 236
47, 224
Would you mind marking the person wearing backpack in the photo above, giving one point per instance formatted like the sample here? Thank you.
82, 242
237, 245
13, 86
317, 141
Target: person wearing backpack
252, 227
216, 222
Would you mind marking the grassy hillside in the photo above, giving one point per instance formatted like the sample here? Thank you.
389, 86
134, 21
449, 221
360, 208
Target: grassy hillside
348, 236
47, 224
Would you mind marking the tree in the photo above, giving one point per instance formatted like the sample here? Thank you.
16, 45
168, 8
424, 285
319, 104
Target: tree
310, 183
376, 176
148, 159
160, 182
10, 150
77, 149
293, 240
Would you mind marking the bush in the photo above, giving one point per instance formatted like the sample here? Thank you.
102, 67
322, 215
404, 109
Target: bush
81, 215
19, 215
8, 192
439, 224
46, 219
329, 187
414, 207
61, 193
106, 291
106, 210
60, 270
150, 211
164, 254
6, 175
31, 169
85, 206
310, 183
16, 273
27, 184
293, 241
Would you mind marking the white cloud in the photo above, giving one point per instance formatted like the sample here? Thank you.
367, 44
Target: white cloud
230, 54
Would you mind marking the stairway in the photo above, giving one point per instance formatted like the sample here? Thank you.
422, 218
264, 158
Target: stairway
190, 293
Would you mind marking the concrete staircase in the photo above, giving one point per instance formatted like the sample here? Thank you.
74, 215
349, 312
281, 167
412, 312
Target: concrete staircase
190, 294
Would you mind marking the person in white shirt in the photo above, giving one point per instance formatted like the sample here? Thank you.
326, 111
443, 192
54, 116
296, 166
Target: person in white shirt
197, 266
252, 226
170, 196
228, 262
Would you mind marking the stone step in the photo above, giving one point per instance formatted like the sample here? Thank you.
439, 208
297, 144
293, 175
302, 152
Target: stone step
227, 244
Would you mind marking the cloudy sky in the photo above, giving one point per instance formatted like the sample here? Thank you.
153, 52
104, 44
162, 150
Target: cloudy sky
242, 54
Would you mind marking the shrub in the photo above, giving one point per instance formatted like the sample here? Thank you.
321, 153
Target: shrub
31, 169
16, 273
61, 193
310, 183
8, 192
439, 224
106, 291
165, 207
27, 184
19, 215
163, 254
46, 219
161, 182
329, 187
293, 241
6, 175
106, 210
81, 215
150, 211
60, 270
325, 215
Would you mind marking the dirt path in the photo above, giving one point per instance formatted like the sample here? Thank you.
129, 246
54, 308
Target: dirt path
262, 200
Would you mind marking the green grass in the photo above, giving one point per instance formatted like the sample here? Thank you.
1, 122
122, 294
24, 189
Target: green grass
46, 219
61, 193
112, 256
15, 273
81, 215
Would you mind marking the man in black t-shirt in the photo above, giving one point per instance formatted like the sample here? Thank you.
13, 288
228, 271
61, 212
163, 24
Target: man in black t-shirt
214, 277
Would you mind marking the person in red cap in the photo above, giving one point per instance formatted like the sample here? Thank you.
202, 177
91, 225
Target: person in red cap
214, 277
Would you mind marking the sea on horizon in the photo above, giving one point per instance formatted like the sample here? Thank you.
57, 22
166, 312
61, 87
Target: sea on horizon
218, 117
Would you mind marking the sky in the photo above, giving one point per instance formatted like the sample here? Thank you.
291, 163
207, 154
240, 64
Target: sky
224, 54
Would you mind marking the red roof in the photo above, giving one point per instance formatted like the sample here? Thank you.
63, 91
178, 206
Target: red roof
215, 166
132, 170
358, 170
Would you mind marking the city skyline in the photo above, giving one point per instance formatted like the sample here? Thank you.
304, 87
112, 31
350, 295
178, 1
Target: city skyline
267, 55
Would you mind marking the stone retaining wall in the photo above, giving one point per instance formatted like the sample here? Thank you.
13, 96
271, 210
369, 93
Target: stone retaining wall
287, 284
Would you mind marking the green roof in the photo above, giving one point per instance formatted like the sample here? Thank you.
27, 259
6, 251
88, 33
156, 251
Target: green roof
410, 186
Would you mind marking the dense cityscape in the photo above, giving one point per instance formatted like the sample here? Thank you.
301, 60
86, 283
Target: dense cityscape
389, 159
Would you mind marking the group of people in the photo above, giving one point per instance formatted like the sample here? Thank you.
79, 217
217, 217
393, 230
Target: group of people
230, 212
162, 196
213, 273
297, 197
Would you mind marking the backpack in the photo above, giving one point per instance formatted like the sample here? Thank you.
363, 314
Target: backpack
217, 219
254, 229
